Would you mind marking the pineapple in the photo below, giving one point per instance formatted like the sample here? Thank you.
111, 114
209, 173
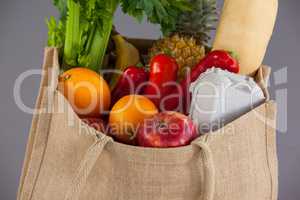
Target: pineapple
187, 43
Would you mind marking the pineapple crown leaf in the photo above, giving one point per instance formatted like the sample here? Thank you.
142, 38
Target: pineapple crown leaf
200, 21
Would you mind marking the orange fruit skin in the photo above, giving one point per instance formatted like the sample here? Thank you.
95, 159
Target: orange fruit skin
127, 114
87, 92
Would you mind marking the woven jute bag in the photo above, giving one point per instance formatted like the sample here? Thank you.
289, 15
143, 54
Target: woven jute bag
67, 160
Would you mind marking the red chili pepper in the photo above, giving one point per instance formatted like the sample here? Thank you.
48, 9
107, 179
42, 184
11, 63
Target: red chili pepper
219, 59
163, 75
130, 83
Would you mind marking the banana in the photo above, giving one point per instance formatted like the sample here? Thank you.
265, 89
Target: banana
127, 55
245, 28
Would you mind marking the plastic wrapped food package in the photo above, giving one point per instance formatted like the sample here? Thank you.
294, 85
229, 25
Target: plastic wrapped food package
219, 97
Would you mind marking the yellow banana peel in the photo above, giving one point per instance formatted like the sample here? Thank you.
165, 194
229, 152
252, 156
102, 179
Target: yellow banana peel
127, 55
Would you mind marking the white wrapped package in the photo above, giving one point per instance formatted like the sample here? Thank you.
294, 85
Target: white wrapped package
219, 97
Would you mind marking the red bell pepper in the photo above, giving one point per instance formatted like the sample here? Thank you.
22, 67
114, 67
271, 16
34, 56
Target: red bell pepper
130, 82
219, 59
163, 75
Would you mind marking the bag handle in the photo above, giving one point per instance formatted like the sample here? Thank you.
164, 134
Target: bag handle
86, 166
209, 170
38, 134
53, 71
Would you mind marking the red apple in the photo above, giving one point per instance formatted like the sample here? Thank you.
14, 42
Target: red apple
95, 123
167, 129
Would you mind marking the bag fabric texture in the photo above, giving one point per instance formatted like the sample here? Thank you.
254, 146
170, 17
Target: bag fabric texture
67, 160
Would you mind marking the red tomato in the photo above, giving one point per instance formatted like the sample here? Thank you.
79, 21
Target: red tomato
163, 73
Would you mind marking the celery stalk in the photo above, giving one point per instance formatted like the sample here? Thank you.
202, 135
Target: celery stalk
97, 46
72, 39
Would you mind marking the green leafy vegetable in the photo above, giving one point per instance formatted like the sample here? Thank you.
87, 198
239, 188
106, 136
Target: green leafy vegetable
84, 28
55, 33
62, 8
163, 12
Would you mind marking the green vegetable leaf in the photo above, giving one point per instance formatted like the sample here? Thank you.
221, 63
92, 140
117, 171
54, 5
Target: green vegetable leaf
62, 8
163, 12
56, 35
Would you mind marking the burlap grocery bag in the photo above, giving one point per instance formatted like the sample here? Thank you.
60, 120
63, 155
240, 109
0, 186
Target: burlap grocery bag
67, 160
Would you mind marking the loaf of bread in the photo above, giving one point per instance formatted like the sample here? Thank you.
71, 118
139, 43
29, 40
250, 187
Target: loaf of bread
245, 28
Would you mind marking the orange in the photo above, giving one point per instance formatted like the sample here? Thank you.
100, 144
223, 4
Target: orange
127, 114
87, 92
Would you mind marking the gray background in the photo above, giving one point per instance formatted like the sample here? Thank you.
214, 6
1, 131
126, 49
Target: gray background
22, 37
